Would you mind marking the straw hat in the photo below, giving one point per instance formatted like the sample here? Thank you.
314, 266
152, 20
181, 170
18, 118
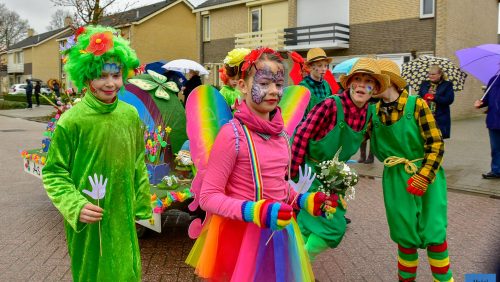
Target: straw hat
317, 54
369, 66
392, 70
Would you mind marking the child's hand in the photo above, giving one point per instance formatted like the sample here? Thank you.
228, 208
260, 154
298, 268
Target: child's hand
318, 204
91, 213
267, 214
417, 185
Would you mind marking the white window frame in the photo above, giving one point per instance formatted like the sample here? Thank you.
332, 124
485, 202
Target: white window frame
259, 10
426, 16
206, 27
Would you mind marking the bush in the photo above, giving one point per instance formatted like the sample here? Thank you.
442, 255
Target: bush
22, 98
6, 105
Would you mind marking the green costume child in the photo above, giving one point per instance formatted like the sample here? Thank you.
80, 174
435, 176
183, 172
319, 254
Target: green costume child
339, 121
406, 138
95, 172
230, 74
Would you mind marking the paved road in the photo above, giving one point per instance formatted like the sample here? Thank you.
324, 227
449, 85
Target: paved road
32, 243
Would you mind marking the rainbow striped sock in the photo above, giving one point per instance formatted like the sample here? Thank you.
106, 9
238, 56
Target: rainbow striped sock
440, 262
407, 264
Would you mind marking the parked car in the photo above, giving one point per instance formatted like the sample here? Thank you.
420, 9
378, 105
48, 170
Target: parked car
18, 89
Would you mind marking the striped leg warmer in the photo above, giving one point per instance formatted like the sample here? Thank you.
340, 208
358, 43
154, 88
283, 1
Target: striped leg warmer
440, 262
407, 264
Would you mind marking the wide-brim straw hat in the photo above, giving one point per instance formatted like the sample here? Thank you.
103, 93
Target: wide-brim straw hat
391, 69
368, 66
317, 54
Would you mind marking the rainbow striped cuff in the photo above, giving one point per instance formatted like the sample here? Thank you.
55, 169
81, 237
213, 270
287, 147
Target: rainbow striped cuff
247, 211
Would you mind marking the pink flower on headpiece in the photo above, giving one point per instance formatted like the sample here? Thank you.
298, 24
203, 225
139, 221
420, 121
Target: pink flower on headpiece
100, 43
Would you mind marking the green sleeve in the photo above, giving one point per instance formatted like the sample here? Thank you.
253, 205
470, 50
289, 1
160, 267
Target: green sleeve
143, 208
58, 182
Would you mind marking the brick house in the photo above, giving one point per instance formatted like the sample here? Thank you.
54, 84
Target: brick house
160, 31
397, 29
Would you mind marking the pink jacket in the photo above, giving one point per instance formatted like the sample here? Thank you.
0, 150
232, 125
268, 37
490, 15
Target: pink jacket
228, 181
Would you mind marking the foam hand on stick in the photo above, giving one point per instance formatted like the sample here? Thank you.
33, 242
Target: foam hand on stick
97, 193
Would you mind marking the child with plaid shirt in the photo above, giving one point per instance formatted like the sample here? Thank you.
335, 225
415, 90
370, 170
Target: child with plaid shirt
338, 121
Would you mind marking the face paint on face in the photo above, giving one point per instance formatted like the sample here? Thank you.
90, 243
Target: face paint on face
262, 84
111, 68
368, 88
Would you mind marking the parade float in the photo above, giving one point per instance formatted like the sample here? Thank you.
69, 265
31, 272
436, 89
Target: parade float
167, 156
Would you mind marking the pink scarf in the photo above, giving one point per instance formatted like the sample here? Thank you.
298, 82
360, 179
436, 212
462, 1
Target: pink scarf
255, 123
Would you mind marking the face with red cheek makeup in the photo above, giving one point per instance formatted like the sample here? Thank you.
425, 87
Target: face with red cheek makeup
106, 87
263, 88
361, 88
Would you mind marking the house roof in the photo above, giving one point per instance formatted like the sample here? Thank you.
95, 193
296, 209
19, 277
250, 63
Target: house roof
210, 3
134, 15
36, 39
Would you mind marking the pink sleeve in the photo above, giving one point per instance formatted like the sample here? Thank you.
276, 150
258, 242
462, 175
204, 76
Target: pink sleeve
220, 166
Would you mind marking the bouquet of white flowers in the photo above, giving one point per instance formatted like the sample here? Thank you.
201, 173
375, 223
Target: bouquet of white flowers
337, 178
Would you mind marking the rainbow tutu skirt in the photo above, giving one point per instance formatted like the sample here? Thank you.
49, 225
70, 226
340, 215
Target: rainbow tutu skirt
233, 250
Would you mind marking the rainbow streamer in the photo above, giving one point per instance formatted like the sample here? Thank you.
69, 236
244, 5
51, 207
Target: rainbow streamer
206, 113
257, 179
293, 104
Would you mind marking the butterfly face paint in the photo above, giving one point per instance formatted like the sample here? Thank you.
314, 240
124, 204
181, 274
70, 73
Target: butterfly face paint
263, 81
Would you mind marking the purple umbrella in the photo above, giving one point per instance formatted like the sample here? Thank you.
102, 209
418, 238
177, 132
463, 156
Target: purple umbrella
482, 61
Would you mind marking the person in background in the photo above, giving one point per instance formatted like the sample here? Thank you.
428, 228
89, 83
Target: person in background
439, 95
193, 82
38, 88
29, 93
492, 101
229, 75
56, 87
317, 64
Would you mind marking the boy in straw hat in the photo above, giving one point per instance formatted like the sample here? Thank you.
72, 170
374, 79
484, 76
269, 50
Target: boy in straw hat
317, 64
339, 121
414, 183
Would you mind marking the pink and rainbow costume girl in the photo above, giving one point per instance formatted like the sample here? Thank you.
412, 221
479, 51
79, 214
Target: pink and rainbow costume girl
244, 191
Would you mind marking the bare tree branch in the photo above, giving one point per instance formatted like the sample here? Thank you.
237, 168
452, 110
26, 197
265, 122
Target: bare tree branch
58, 19
12, 27
91, 11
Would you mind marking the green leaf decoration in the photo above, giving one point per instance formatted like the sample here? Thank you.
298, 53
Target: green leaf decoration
163, 144
170, 85
160, 79
161, 93
143, 83
152, 158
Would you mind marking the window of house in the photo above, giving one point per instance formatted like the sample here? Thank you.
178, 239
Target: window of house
206, 28
427, 8
18, 58
256, 19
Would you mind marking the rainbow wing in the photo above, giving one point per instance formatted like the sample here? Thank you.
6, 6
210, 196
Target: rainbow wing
206, 113
293, 104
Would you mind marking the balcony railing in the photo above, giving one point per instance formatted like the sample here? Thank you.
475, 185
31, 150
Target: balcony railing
327, 36
15, 68
270, 38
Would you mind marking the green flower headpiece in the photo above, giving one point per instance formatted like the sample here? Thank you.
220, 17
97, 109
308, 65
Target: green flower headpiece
91, 47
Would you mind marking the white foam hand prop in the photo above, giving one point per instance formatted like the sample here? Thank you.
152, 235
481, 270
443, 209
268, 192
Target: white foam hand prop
305, 180
98, 187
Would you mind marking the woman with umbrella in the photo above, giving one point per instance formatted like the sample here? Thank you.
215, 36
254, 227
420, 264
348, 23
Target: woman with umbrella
439, 95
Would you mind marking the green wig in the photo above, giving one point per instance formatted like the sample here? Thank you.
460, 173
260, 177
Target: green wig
93, 46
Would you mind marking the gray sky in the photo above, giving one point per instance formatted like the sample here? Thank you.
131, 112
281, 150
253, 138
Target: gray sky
39, 12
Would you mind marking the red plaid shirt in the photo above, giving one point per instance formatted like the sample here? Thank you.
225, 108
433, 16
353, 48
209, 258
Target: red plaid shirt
321, 120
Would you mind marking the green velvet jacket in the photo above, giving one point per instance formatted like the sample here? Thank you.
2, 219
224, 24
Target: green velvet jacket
94, 138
